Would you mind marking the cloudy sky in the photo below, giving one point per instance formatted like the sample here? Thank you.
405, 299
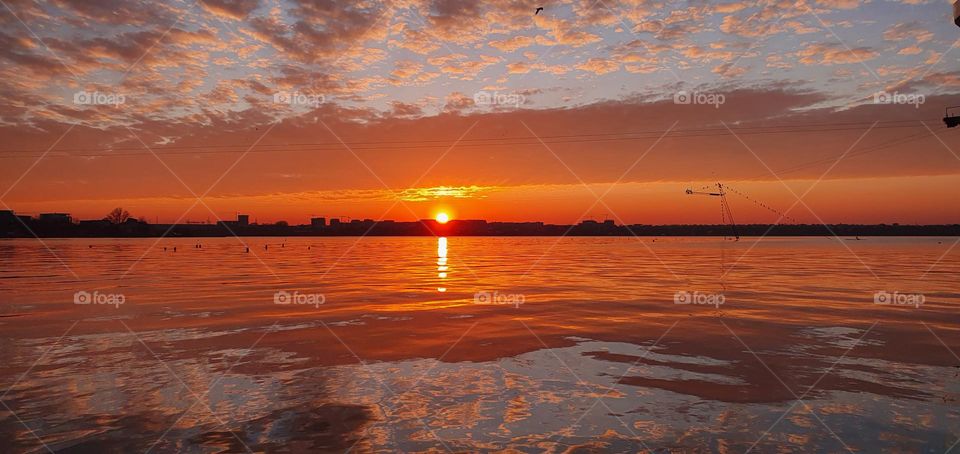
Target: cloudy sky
828, 110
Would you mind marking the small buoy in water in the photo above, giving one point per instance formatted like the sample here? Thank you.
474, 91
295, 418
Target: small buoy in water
248, 249
90, 246
164, 249
174, 249
266, 246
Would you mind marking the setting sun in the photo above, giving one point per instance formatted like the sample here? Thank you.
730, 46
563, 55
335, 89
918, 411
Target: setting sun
442, 218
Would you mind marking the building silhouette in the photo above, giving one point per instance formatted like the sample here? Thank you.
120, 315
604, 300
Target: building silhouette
55, 218
63, 225
243, 220
7, 217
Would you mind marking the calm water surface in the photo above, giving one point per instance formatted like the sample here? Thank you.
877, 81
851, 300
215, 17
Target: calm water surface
590, 354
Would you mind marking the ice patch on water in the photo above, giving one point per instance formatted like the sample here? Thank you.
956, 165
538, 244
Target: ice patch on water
840, 336
353, 322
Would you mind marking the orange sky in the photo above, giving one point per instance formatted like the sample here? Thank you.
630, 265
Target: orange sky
290, 109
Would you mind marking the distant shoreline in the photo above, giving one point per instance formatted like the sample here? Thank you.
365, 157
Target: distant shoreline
429, 228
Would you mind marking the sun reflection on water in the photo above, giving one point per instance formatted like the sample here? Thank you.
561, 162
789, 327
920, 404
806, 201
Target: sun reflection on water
442, 261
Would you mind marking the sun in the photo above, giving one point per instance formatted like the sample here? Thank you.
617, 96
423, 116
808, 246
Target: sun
442, 218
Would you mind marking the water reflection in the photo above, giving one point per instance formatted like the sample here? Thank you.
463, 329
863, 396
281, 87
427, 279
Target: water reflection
390, 366
442, 262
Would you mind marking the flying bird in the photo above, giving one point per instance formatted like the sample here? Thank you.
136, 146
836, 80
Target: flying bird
539, 8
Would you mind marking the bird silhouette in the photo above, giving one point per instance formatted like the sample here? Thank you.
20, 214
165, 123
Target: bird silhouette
539, 8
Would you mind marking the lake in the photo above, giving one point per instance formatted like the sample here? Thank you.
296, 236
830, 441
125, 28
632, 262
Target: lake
480, 344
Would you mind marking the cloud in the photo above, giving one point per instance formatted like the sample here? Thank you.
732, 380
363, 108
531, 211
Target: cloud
562, 32
477, 161
442, 192
363, 56
457, 101
834, 54
753, 26
405, 110
406, 69
518, 68
121, 12
729, 70
512, 44
944, 79
465, 69
598, 66
321, 30
416, 41
732, 7
230, 9
839, 4
908, 30
910, 50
